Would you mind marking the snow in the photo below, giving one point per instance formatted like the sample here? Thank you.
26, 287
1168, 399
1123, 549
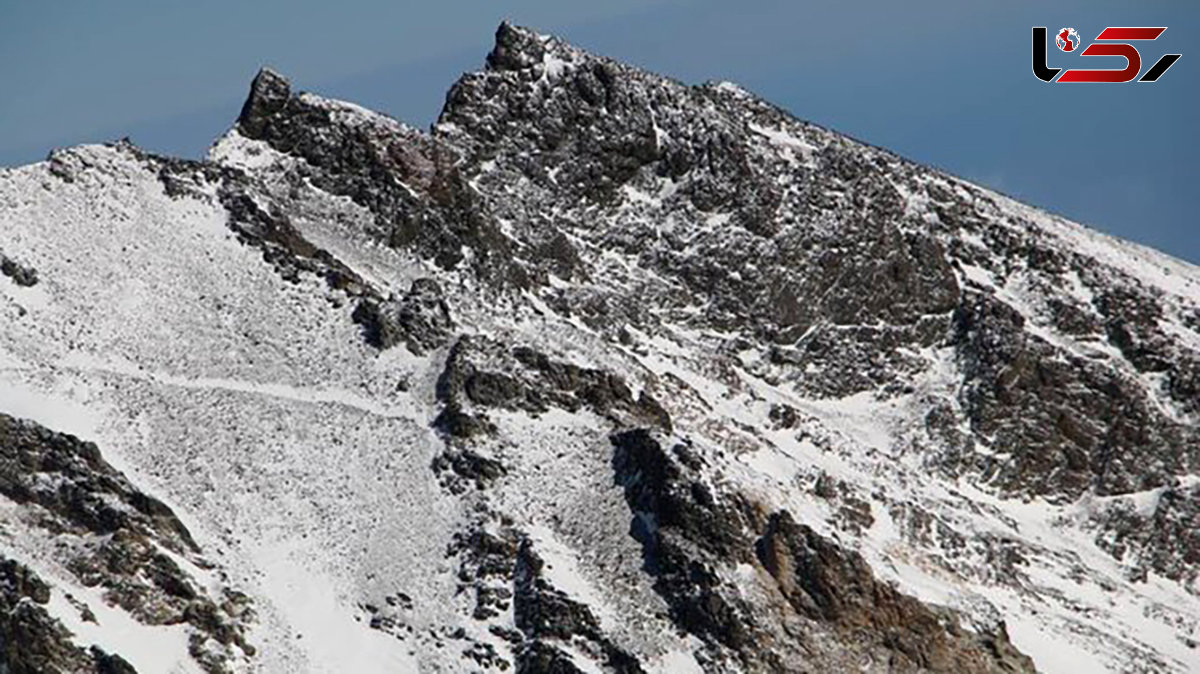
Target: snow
1152, 267
288, 447
564, 572
352, 114
235, 150
147, 648
864, 437
249, 404
677, 662
55, 409
349, 399
326, 628
1052, 651
553, 66
732, 88
786, 140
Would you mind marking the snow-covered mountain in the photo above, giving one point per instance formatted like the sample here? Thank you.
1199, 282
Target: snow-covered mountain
602, 373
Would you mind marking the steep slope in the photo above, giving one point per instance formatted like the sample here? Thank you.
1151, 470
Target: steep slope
603, 373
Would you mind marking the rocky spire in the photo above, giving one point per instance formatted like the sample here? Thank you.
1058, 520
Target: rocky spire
268, 95
516, 48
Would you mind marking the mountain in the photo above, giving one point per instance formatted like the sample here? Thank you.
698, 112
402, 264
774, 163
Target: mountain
603, 372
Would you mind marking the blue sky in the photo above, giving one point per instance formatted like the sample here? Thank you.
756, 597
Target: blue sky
945, 83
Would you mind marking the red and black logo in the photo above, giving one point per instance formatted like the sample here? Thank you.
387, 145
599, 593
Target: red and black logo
1067, 40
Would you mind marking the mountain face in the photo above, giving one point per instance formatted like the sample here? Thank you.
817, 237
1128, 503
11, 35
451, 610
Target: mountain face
602, 373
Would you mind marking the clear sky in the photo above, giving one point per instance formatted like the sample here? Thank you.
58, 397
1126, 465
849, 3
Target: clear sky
946, 83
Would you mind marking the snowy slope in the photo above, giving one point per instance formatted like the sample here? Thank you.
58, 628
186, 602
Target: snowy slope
996, 408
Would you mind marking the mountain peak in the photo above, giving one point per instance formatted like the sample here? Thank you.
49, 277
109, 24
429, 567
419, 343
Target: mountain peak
269, 93
516, 48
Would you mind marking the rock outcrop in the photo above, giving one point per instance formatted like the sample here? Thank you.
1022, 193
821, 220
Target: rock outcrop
111, 536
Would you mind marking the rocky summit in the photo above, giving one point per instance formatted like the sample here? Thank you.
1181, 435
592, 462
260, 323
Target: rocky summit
601, 373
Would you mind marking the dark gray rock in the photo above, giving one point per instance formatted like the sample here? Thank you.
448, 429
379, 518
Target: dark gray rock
687, 537
409, 181
70, 479
644, 207
541, 658
502, 568
488, 561
269, 93
1068, 423
544, 615
22, 275
460, 466
483, 373
420, 319
1165, 540
34, 642
831, 585
254, 218
118, 533
692, 536
282, 244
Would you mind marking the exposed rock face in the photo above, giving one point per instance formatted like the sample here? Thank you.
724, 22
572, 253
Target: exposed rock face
481, 373
410, 182
282, 245
112, 536
603, 372
694, 537
33, 642
824, 582
506, 578
1160, 537
1069, 423
269, 94
420, 319
545, 614
69, 479
687, 537
596, 124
